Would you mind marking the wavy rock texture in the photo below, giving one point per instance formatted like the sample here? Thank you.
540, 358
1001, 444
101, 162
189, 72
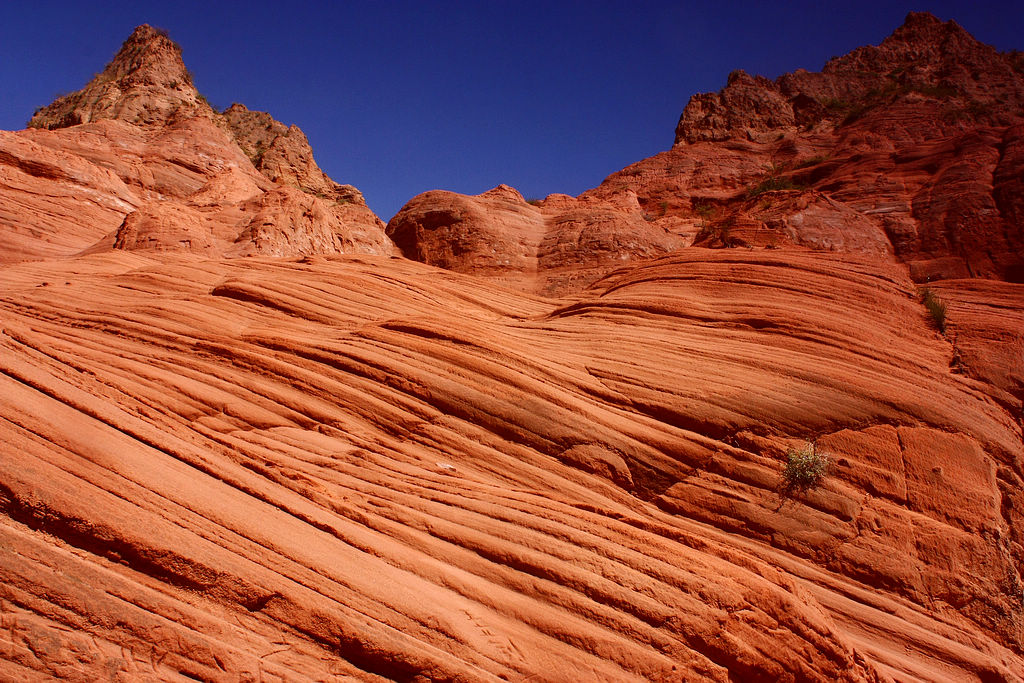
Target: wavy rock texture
557, 457
374, 468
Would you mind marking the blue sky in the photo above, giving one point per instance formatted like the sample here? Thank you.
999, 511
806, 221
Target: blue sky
402, 97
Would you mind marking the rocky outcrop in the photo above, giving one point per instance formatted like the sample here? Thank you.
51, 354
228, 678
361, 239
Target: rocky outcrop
924, 61
553, 246
282, 153
146, 83
908, 150
156, 168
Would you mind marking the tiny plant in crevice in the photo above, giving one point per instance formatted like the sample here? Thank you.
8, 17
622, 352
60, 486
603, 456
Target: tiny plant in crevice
805, 467
772, 181
936, 309
706, 213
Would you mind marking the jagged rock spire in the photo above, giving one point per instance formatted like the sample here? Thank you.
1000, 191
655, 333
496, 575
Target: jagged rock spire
146, 83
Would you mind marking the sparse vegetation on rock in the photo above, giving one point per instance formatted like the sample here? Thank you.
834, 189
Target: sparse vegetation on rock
805, 467
936, 308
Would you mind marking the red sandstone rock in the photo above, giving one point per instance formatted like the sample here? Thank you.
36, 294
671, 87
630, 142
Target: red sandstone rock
368, 468
909, 149
188, 169
913, 143
556, 245
145, 83
372, 467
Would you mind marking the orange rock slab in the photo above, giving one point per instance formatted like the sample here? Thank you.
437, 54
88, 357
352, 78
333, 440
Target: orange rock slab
372, 468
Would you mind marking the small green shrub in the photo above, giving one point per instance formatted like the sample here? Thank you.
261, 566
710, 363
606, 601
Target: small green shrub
533, 201
705, 211
805, 467
835, 104
936, 308
772, 184
719, 231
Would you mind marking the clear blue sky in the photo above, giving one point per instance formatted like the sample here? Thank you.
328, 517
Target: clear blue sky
402, 97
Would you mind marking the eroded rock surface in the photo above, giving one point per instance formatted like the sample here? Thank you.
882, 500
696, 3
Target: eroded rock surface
558, 456
554, 245
909, 150
375, 468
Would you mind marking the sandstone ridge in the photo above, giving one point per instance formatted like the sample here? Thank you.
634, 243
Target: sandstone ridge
910, 150
554, 245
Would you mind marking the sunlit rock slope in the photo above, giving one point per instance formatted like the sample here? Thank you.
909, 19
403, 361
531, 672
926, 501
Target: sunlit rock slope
559, 460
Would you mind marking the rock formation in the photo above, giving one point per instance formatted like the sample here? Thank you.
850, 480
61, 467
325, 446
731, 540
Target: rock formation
558, 456
554, 245
911, 148
143, 162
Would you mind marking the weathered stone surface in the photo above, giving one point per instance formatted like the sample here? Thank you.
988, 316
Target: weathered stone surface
916, 140
562, 461
145, 83
554, 245
923, 61
367, 466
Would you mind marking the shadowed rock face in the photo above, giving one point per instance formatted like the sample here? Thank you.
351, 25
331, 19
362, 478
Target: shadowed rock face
558, 457
141, 161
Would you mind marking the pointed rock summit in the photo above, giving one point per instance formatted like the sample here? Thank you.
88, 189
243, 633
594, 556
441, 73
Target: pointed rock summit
146, 83
147, 164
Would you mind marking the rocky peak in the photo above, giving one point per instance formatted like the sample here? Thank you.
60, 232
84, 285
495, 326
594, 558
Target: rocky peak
960, 80
923, 29
282, 153
181, 180
146, 83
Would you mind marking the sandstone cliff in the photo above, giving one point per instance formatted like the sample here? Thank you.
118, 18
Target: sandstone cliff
910, 149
